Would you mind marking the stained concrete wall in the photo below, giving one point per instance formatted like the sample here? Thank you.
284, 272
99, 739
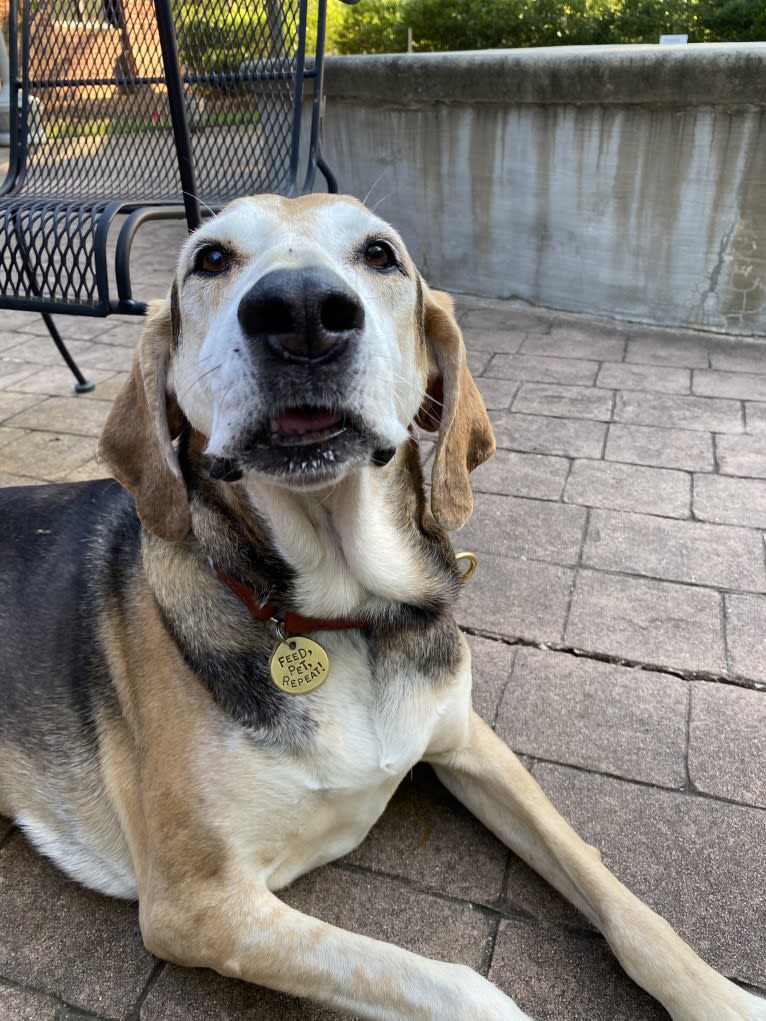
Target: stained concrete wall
627, 181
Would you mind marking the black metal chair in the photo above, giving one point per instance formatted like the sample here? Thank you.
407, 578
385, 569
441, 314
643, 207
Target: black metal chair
152, 109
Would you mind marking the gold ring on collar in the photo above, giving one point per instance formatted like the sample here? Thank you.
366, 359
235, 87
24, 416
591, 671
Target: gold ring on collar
471, 561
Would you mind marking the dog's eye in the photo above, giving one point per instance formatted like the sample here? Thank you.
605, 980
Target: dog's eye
212, 259
379, 255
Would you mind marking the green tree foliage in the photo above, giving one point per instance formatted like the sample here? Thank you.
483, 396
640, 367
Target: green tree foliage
370, 27
380, 26
473, 25
643, 21
336, 11
740, 20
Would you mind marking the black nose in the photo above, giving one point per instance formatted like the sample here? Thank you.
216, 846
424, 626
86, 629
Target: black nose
306, 315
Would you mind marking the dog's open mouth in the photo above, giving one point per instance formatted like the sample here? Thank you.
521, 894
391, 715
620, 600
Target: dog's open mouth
306, 444
301, 427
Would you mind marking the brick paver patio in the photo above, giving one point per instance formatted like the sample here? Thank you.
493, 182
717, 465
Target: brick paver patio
618, 621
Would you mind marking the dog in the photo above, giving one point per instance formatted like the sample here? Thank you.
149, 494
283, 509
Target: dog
218, 668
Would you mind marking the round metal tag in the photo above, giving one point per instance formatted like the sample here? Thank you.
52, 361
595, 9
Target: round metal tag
299, 665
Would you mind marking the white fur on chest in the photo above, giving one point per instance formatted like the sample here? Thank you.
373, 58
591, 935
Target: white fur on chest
279, 813
283, 814
287, 813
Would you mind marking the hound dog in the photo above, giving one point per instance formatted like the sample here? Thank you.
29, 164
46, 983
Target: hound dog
216, 674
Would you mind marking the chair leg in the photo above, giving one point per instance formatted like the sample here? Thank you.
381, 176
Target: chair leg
83, 385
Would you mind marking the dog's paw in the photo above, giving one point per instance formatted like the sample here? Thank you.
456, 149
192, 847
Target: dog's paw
756, 1011
484, 1001
729, 1003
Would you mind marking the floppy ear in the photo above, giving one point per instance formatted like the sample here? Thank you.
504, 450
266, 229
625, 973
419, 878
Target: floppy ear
454, 406
137, 441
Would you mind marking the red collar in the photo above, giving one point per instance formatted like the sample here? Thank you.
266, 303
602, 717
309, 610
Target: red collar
293, 623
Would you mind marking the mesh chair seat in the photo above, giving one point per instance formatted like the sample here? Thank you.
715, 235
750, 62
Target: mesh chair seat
53, 252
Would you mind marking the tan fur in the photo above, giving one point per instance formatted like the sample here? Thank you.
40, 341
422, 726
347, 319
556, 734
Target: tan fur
136, 443
152, 771
465, 434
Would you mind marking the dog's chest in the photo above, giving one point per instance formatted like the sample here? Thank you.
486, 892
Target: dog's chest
288, 810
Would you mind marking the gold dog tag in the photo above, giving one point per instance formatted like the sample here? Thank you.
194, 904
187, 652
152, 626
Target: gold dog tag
299, 665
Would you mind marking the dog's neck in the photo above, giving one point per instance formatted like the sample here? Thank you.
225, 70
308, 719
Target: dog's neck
350, 549
348, 544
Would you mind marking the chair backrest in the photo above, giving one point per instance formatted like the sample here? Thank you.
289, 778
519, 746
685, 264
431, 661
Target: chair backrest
91, 106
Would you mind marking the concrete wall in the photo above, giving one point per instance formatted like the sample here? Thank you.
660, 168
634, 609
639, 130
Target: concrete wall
628, 181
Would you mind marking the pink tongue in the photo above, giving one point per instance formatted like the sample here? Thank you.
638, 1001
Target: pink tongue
296, 421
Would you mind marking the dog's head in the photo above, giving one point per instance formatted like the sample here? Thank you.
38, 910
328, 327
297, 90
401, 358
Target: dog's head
301, 341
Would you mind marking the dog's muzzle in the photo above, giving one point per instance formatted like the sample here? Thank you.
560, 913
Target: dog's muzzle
304, 327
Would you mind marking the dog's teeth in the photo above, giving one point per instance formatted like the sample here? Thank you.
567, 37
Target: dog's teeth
273, 426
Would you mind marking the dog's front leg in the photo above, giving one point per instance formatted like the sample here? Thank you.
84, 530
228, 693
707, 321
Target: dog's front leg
244, 931
489, 779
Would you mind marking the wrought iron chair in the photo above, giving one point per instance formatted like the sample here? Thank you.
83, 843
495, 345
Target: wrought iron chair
151, 109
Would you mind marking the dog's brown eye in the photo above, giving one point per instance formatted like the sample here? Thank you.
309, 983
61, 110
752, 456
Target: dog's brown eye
212, 259
379, 255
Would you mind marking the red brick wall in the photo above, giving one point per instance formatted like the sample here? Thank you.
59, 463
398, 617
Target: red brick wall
91, 50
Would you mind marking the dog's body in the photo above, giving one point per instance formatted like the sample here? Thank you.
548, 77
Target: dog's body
143, 743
